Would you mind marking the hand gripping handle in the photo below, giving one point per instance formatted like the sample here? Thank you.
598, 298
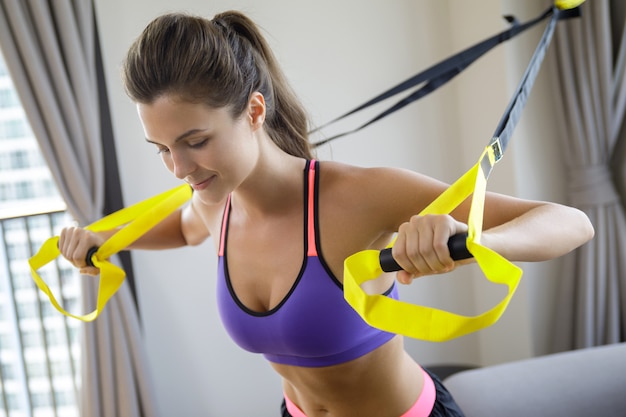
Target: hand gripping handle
456, 246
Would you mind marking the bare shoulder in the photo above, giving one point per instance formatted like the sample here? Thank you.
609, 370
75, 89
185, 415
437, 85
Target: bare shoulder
374, 182
372, 173
395, 192
201, 220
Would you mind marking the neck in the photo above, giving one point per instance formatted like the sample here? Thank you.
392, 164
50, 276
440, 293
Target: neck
274, 186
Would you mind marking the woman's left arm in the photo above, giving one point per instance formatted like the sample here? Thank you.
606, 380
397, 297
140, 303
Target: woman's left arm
539, 231
518, 229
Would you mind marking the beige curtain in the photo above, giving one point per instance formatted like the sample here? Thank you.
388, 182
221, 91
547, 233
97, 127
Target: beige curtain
590, 90
51, 51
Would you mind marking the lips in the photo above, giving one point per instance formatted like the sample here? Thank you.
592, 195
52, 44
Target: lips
199, 186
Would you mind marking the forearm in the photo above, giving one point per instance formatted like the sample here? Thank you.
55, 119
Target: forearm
167, 234
545, 232
183, 227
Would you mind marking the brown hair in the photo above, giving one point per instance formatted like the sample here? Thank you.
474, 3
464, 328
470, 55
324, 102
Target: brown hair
219, 62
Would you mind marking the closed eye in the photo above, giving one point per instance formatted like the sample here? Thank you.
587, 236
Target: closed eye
199, 144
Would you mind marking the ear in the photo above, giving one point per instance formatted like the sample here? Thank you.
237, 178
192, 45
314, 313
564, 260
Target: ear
256, 110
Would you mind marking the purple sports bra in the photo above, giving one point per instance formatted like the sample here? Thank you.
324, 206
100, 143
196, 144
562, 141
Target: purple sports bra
313, 325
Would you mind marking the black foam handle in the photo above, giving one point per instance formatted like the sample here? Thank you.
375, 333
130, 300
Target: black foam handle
456, 246
90, 253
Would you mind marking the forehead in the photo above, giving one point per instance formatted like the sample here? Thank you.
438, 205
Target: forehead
173, 108
165, 118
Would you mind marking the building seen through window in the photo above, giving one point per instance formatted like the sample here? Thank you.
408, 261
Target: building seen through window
39, 347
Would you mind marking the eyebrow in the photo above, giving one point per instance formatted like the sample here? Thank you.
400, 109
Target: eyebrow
181, 137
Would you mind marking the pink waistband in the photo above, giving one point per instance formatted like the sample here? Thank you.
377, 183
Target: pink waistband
293, 409
422, 407
425, 402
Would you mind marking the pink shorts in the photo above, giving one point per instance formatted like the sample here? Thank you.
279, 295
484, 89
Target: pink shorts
422, 407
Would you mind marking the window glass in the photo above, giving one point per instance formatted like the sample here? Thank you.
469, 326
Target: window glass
39, 349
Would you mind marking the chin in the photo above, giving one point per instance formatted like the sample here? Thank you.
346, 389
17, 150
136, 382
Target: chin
211, 198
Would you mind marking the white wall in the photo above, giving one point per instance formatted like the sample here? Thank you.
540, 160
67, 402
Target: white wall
337, 54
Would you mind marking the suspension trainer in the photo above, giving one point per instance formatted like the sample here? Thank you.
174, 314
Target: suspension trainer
387, 314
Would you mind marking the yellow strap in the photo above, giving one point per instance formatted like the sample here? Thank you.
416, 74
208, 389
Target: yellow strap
137, 220
568, 4
427, 323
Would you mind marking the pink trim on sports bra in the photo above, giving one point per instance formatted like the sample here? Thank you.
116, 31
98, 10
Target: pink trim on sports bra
312, 247
224, 224
422, 407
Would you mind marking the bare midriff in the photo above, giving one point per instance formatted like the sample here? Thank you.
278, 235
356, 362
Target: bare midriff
384, 382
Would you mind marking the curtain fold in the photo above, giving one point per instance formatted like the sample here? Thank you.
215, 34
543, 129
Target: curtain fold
590, 91
51, 52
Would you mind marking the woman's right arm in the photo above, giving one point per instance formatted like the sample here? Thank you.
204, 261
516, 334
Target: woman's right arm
183, 227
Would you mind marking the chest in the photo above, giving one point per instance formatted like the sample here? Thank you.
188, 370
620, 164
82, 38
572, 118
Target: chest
265, 253
264, 259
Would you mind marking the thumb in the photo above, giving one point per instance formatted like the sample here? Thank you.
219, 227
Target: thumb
404, 277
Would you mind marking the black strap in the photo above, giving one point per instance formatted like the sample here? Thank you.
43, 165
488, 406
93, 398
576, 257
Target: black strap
438, 74
513, 112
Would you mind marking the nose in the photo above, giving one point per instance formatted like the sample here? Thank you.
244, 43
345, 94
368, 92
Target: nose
181, 165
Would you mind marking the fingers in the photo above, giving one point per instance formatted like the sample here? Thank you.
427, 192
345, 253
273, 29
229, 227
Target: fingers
421, 247
74, 244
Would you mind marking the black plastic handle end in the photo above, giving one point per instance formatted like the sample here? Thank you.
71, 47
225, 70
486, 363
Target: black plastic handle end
387, 263
458, 248
90, 253
456, 245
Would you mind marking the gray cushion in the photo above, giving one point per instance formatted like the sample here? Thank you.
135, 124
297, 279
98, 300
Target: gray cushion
586, 382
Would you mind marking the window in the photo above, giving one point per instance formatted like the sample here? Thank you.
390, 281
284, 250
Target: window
19, 159
24, 190
14, 129
39, 348
8, 98
5, 192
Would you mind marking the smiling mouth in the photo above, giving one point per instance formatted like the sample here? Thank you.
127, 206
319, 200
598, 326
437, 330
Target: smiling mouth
198, 186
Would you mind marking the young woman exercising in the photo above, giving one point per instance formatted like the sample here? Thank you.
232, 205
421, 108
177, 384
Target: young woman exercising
214, 102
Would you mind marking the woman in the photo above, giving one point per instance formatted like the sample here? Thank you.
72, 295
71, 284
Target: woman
214, 102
